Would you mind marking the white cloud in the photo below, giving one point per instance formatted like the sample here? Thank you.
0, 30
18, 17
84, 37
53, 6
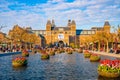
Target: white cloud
117, 2
55, 1
84, 12
21, 18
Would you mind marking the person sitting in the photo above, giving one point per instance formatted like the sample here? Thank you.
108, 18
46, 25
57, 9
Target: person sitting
111, 50
118, 51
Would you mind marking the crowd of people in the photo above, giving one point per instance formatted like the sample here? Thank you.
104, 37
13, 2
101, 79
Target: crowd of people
4, 49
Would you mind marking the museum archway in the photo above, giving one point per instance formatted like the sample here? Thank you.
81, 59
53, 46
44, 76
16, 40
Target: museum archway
60, 43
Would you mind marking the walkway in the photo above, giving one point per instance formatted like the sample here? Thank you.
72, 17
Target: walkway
9, 53
107, 54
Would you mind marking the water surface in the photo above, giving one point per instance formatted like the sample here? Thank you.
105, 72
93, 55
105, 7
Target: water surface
59, 67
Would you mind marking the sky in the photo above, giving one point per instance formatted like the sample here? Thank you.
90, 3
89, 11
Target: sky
35, 13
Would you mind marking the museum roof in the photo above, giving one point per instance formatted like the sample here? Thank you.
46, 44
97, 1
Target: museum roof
2, 33
106, 23
38, 30
78, 31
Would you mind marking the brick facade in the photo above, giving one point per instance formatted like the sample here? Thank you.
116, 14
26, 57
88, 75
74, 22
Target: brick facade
68, 34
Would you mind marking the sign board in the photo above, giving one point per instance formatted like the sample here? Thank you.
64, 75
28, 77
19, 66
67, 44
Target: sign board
60, 36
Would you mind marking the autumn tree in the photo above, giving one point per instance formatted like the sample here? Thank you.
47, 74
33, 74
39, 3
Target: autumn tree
103, 38
86, 40
18, 34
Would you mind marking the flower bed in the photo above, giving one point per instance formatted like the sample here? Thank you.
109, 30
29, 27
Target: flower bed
87, 54
44, 56
61, 51
94, 57
69, 52
109, 68
19, 61
80, 51
25, 53
58, 51
52, 53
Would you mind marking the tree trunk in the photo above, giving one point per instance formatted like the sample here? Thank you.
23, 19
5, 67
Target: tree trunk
104, 47
92, 46
98, 46
112, 45
88, 46
107, 47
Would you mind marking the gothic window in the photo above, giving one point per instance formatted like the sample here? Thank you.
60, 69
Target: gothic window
82, 32
89, 32
60, 29
93, 32
40, 32
85, 32
44, 32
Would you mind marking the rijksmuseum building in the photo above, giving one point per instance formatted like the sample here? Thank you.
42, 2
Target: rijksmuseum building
66, 35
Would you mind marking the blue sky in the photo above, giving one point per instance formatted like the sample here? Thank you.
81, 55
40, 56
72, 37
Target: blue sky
35, 13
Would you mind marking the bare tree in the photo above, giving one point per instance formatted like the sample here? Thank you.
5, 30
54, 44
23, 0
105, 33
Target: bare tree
1, 27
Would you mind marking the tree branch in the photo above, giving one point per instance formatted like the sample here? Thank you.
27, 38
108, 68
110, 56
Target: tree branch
2, 27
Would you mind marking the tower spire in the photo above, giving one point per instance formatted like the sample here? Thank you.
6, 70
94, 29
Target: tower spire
48, 22
73, 22
106, 23
48, 25
106, 27
53, 23
69, 23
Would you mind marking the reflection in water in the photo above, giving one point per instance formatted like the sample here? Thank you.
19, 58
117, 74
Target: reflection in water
104, 78
22, 68
59, 67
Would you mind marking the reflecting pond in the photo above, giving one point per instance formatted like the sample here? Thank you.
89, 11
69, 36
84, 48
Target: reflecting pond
59, 67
